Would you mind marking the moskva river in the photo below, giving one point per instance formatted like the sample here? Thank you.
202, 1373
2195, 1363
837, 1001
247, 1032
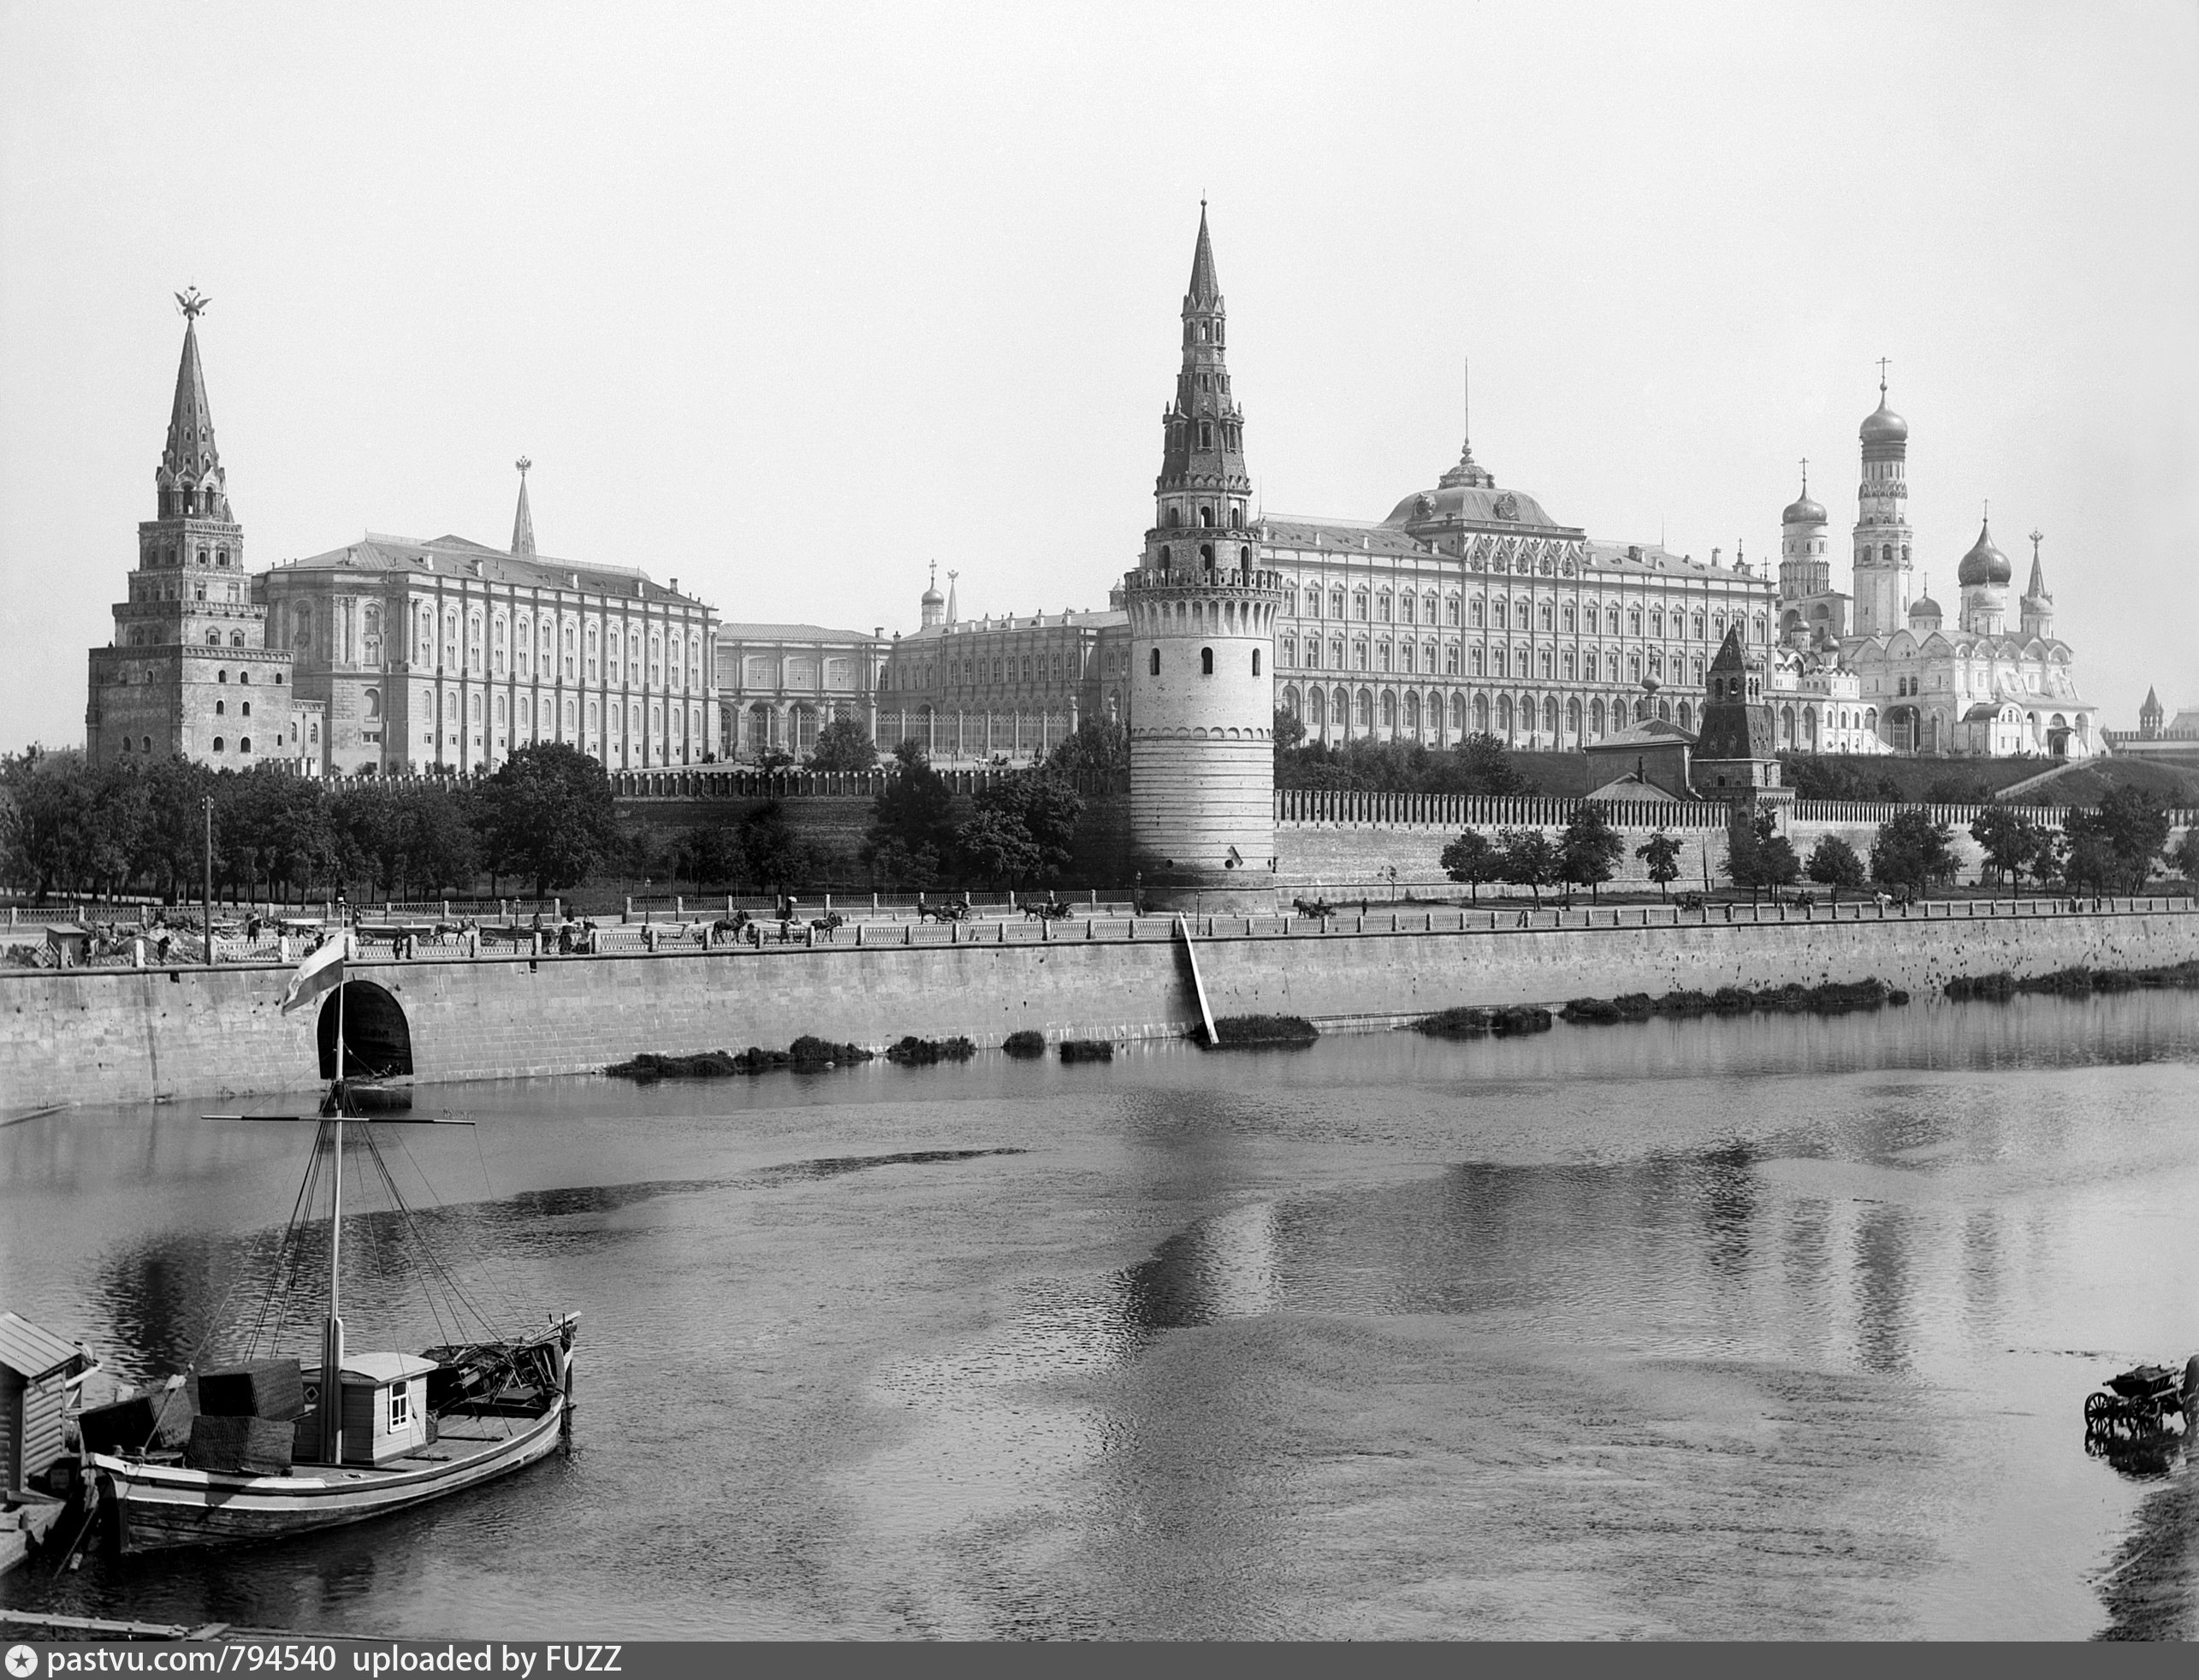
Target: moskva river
1771, 1327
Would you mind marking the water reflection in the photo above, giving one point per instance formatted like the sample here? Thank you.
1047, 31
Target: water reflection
1695, 1328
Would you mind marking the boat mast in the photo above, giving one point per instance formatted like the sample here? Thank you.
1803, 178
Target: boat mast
332, 1336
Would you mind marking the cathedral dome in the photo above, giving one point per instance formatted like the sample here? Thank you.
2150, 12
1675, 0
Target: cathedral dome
1883, 425
1924, 608
1804, 511
1984, 564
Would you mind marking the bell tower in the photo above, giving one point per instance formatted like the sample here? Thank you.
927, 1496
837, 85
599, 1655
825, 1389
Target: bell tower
1203, 632
1881, 526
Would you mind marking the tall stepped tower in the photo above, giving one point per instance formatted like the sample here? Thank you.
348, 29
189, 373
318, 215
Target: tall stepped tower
189, 659
1202, 637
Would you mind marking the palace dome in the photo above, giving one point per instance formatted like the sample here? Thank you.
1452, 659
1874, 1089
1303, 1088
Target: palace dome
1984, 564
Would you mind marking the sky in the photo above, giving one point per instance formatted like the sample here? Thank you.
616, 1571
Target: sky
788, 303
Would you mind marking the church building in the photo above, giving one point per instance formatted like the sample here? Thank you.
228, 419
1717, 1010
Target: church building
1895, 676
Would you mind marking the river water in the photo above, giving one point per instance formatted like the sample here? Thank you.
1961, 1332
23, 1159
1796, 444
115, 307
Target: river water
1771, 1327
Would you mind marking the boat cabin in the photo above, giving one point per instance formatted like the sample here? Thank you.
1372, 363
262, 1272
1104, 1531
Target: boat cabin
35, 1368
385, 1401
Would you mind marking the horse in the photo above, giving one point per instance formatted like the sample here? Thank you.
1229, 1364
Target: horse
732, 927
1319, 909
950, 912
1052, 910
828, 923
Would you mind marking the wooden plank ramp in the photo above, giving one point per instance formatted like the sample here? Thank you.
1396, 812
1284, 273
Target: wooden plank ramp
1198, 982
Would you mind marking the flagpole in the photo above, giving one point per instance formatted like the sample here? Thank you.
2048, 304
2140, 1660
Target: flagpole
332, 1338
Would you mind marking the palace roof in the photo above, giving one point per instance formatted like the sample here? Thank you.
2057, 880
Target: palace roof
460, 557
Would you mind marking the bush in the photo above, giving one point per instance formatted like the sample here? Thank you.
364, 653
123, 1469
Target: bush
807, 1053
1025, 1044
1086, 1050
915, 1052
1459, 1023
1237, 1031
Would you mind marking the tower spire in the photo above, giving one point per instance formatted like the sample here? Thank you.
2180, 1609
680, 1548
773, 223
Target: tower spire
522, 520
190, 480
1203, 485
1204, 288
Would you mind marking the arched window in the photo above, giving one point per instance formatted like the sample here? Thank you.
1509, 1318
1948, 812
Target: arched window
1363, 709
1382, 607
1474, 613
1244, 557
1612, 621
244, 744
1156, 662
1412, 713
221, 707
217, 743
1635, 620
213, 638
1549, 714
1335, 603
1206, 555
1255, 661
1206, 661
1504, 714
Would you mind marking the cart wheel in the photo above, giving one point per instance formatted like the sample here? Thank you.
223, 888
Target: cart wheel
2096, 1406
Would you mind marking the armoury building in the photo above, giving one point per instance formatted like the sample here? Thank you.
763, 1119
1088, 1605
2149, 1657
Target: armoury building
448, 654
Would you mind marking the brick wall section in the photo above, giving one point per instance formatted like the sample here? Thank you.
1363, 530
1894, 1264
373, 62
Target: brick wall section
112, 1036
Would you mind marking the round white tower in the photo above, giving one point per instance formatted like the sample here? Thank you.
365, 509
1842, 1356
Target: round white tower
1202, 636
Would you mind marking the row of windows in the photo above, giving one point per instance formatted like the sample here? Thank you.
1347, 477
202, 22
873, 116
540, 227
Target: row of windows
1478, 660
140, 636
168, 554
1206, 661
523, 644
1381, 608
1344, 710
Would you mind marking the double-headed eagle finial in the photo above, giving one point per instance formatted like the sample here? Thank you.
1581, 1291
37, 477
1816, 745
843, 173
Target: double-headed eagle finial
192, 304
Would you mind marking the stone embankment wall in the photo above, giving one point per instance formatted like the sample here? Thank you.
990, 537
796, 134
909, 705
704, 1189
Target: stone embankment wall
1327, 837
100, 1036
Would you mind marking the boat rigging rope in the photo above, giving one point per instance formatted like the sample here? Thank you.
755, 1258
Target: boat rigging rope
436, 1267
493, 1277
283, 1287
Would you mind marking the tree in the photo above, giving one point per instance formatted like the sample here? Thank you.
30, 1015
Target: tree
996, 844
1528, 860
1911, 850
1588, 849
2120, 839
2184, 857
1660, 852
768, 847
1746, 830
547, 814
1833, 863
709, 852
914, 809
2010, 840
844, 744
1290, 732
1483, 764
1098, 748
1472, 860
2047, 861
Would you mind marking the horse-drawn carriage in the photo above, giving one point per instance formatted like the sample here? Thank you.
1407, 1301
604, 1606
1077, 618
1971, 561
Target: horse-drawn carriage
2135, 1407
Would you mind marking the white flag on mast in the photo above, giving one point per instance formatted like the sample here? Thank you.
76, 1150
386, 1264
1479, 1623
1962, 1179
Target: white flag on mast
323, 971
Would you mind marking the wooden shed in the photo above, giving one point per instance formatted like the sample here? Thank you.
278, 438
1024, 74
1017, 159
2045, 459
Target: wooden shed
385, 1402
35, 1367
